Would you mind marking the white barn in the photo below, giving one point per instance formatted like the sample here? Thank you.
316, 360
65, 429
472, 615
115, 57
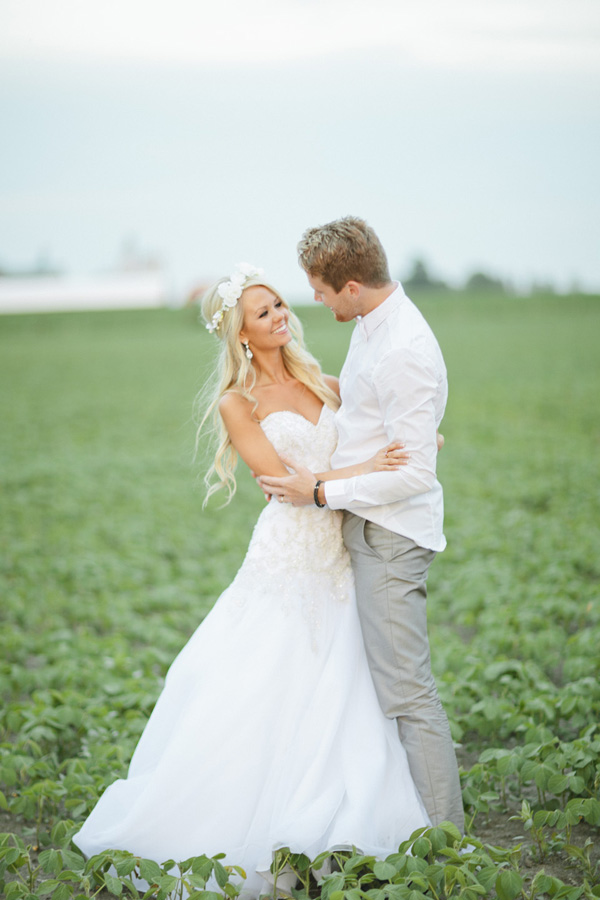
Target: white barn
144, 289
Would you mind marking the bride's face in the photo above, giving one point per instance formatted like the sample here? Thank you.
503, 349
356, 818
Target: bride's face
265, 325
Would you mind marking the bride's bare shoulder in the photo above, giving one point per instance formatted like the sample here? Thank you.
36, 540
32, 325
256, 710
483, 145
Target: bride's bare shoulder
233, 405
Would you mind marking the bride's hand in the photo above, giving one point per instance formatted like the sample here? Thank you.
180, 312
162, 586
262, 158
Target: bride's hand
388, 459
392, 456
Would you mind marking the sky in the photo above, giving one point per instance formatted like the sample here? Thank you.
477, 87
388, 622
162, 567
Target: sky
466, 133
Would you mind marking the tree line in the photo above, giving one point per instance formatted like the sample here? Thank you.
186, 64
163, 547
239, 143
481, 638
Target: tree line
419, 277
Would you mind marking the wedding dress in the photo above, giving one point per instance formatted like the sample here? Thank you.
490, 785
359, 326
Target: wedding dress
268, 732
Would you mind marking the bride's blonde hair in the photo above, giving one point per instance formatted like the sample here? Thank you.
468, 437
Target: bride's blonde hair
234, 372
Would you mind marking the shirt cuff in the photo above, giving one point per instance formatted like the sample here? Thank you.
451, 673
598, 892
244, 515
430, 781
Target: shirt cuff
335, 493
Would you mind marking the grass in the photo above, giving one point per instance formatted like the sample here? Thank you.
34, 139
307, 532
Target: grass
109, 562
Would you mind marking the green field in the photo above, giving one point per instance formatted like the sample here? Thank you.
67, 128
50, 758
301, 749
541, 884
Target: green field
108, 563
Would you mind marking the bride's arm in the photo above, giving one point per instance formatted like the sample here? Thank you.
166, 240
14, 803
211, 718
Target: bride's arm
387, 459
248, 438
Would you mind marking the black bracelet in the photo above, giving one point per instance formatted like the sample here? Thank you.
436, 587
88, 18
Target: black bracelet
316, 495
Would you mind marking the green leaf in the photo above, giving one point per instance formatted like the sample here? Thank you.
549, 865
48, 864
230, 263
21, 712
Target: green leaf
168, 864
205, 895
46, 887
414, 864
591, 812
14, 890
508, 884
438, 838
385, 871
12, 855
113, 885
333, 883
50, 861
353, 894
150, 871
397, 891
63, 892
300, 862
419, 881
486, 876
376, 894
202, 866
575, 851
76, 808
59, 832
168, 882
320, 859
220, 874
73, 860
422, 847
355, 862
576, 784
558, 784
545, 817
126, 865
542, 883
568, 893
507, 765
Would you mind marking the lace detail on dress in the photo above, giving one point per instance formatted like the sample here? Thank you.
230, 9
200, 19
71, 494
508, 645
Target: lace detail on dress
301, 548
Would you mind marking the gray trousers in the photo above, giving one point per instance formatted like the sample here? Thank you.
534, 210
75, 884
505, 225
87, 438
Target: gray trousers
390, 572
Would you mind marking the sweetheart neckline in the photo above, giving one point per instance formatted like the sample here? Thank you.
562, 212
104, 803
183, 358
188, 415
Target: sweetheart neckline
294, 413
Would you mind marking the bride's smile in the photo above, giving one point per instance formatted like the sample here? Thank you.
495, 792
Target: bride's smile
265, 319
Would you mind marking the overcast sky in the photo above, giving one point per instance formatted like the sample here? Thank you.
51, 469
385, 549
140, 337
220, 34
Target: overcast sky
465, 132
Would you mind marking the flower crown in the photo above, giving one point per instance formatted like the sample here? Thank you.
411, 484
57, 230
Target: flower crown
231, 291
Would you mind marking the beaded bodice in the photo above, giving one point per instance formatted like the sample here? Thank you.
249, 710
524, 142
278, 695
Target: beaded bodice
298, 552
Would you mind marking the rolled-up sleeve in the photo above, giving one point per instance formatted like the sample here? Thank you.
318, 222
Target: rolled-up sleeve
407, 388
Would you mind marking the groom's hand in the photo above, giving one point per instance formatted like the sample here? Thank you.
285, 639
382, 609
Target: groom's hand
297, 489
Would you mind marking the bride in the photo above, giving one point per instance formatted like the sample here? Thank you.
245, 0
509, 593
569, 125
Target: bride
268, 732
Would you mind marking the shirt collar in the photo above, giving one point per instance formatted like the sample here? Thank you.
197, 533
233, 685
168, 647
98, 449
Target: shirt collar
367, 324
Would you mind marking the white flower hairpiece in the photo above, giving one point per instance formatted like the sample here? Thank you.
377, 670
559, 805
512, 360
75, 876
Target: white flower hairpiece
231, 291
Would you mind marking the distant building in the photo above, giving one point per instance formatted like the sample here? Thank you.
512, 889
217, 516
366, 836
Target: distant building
141, 289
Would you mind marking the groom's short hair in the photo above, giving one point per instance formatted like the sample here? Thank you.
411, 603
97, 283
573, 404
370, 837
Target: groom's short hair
342, 251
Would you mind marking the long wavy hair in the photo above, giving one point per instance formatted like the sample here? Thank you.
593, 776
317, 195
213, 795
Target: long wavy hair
235, 372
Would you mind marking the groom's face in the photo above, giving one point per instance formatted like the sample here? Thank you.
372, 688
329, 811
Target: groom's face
341, 304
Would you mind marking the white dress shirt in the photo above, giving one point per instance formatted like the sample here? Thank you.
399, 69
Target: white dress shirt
393, 386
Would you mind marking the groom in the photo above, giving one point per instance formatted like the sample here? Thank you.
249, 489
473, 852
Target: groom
393, 386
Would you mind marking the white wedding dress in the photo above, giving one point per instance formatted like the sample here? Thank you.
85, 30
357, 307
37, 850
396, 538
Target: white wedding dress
268, 732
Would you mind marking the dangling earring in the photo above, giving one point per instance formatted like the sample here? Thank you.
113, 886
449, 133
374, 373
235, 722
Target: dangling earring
246, 347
